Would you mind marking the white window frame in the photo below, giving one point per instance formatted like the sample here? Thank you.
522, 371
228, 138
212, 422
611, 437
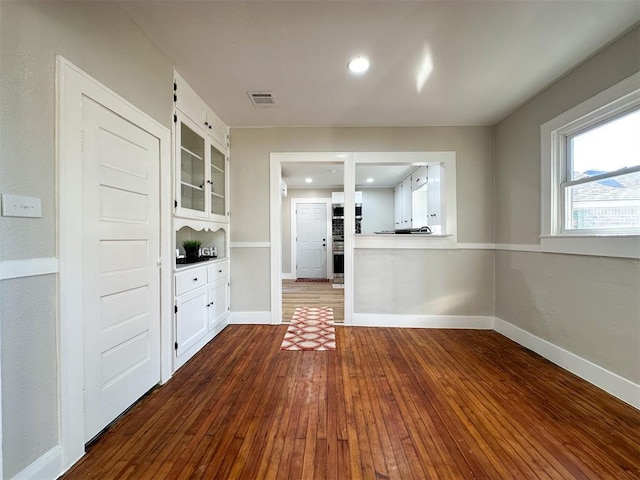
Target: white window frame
608, 104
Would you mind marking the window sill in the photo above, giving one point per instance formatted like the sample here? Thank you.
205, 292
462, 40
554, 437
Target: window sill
620, 246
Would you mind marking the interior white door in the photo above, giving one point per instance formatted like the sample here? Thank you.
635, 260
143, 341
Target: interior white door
121, 276
311, 243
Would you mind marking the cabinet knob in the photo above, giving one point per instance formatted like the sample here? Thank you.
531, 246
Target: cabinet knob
219, 271
195, 279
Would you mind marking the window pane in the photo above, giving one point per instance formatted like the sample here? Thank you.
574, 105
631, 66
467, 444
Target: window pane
609, 203
607, 147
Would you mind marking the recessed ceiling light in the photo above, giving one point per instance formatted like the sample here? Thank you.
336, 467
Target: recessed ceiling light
370, 180
308, 179
358, 65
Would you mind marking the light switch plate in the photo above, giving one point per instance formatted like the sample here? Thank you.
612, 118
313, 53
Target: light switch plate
20, 206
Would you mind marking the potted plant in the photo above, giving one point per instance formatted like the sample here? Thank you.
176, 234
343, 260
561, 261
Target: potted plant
191, 249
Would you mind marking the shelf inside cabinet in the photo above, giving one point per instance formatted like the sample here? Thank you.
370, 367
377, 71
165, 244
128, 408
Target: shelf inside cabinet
197, 187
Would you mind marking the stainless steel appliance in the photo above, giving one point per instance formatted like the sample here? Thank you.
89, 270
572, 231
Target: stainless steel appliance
337, 231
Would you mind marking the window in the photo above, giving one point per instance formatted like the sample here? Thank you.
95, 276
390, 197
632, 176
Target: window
601, 184
591, 173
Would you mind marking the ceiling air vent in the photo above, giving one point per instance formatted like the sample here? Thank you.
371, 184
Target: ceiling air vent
262, 99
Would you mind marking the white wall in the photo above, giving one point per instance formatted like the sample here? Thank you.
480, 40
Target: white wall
100, 39
587, 305
377, 210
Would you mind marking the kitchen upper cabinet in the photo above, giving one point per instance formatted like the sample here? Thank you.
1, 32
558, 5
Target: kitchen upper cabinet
406, 203
397, 205
419, 177
402, 204
435, 203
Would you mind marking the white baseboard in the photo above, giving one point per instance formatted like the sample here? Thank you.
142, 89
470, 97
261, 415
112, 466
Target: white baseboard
288, 276
250, 318
48, 466
422, 321
619, 387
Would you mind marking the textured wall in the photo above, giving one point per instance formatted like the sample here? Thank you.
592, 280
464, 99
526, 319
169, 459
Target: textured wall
100, 39
424, 282
588, 305
29, 372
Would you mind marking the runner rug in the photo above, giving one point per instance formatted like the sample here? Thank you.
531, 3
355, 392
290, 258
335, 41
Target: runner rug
311, 329
313, 280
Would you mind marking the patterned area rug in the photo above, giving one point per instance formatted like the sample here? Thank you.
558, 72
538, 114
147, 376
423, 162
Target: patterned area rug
313, 280
311, 328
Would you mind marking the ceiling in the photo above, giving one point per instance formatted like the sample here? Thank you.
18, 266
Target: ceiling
433, 62
327, 175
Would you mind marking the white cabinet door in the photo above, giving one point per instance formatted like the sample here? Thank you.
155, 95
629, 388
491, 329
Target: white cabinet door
406, 202
191, 319
419, 177
188, 101
397, 205
218, 304
192, 164
434, 199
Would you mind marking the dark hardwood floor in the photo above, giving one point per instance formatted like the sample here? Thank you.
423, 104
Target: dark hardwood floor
388, 403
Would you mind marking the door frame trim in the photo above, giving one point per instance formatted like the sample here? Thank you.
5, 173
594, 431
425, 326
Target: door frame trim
294, 232
276, 159
71, 84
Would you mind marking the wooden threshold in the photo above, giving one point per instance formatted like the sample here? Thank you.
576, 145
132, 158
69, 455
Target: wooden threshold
388, 403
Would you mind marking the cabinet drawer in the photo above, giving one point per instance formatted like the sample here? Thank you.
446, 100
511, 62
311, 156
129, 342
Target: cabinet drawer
218, 271
191, 279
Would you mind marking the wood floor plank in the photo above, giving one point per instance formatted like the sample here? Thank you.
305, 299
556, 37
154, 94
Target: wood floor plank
388, 403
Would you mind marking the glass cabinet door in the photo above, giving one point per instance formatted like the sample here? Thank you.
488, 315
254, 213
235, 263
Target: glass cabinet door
217, 182
192, 169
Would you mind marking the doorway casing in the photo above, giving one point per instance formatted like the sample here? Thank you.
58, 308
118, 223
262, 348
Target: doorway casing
275, 170
72, 84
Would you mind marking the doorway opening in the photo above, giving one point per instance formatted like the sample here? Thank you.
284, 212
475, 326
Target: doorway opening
306, 266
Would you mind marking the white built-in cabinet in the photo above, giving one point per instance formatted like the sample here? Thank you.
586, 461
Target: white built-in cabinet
201, 212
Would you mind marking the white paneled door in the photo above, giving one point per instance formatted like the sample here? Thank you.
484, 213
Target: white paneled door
121, 276
311, 243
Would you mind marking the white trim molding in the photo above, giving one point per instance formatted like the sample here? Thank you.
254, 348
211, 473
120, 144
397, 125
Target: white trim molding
30, 267
619, 387
250, 318
46, 466
613, 246
422, 321
250, 244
